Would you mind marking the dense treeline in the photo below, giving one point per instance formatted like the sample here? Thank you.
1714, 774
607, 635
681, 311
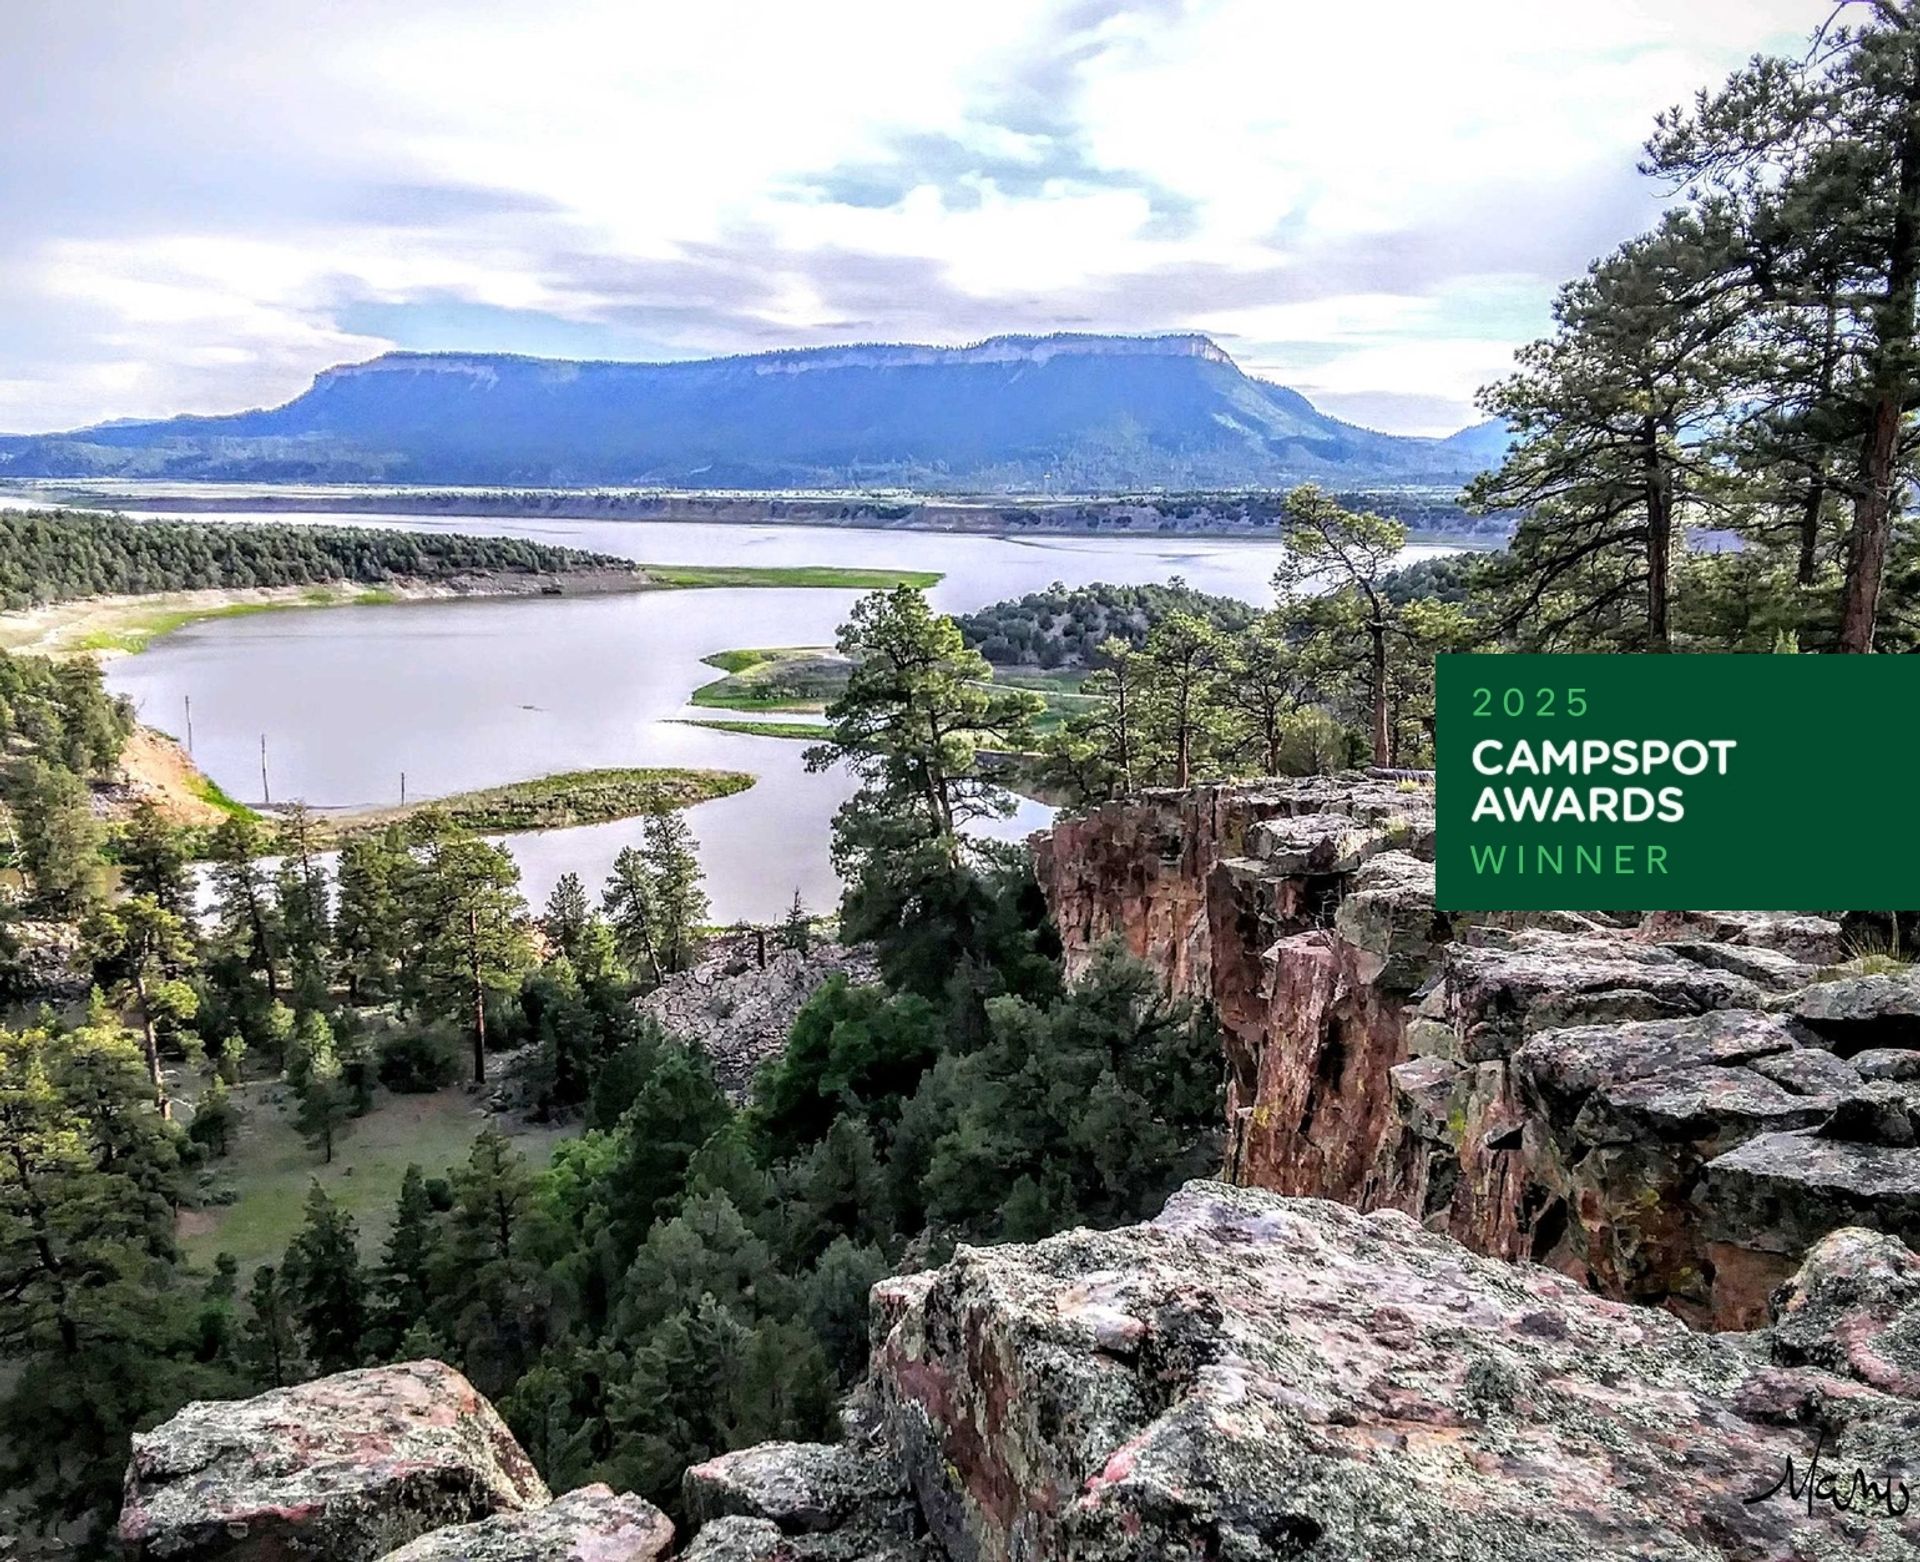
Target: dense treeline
56, 555
1065, 627
1751, 365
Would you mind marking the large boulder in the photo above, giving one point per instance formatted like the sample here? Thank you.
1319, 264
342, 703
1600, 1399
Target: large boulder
592, 1524
1253, 1377
343, 1469
821, 1502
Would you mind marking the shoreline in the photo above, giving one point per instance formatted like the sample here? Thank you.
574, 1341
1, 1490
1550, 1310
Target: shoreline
158, 767
125, 625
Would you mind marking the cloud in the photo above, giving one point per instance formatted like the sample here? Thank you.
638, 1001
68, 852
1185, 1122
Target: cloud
229, 195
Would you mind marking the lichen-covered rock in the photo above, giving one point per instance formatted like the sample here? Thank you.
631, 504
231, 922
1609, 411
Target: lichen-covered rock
798, 1486
592, 1524
343, 1469
740, 1540
1388, 912
1251, 1377
1496, 994
1623, 1120
1854, 1308
831, 1501
1855, 1013
1764, 1204
1805, 939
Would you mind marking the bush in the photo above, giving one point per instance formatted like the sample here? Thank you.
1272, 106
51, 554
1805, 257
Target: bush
415, 1062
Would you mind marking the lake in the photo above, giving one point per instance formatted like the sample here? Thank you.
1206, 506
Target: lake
467, 693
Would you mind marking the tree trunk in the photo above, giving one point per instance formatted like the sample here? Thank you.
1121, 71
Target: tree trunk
1382, 746
1659, 499
150, 1040
1877, 503
1816, 499
479, 999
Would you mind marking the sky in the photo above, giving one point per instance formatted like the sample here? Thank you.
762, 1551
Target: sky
209, 201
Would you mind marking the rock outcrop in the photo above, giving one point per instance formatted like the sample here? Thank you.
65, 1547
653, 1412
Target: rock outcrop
1248, 1377
592, 1524
1252, 1378
739, 1009
344, 1469
1671, 1109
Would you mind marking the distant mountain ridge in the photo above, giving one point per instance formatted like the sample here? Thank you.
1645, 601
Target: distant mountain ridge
1061, 413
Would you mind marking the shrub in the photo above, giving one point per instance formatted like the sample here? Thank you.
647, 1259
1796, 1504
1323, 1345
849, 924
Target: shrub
417, 1061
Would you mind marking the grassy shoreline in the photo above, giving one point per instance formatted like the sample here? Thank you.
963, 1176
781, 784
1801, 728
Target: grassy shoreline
562, 801
160, 768
821, 576
811, 731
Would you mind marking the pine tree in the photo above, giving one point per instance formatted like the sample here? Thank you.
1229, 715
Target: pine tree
215, 1118
369, 923
565, 918
59, 839
153, 861
672, 858
1820, 159
917, 709
326, 1285
1178, 673
1261, 687
300, 901
100, 1334
145, 955
1351, 551
797, 931
633, 909
324, 1102
405, 1285
468, 914
1608, 417
246, 921
270, 1343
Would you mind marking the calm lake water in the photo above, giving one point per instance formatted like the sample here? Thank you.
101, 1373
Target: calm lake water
465, 694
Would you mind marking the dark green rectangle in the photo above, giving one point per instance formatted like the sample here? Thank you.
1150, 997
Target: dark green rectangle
1815, 811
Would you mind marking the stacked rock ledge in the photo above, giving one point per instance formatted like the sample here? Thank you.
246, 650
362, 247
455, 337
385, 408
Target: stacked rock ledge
1671, 1108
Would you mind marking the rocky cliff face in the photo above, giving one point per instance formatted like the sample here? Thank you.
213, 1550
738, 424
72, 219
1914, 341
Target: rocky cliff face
1671, 1109
1247, 1378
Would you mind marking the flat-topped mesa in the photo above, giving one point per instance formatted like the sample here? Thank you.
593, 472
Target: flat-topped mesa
1671, 1108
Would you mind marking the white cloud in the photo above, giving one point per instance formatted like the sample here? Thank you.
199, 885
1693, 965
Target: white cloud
1372, 205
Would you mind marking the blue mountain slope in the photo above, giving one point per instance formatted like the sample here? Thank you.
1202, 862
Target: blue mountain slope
1066, 413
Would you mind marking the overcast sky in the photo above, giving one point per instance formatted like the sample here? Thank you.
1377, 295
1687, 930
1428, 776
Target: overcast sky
209, 200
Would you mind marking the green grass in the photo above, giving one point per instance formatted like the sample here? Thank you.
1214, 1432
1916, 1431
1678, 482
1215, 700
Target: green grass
141, 627
825, 575
773, 678
561, 801
211, 791
271, 1167
812, 731
1041, 683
